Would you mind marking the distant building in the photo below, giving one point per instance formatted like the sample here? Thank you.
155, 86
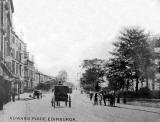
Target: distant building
154, 84
36, 78
17, 60
17, 66
44, 78
29, 71
157, 62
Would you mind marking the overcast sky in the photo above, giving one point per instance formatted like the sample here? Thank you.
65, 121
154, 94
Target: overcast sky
61, 33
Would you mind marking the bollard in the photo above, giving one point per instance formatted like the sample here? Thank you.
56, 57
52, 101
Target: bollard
1, 105
52, 103
10, 98
124, 100
57, 103
13, 98
118, 100
37, 96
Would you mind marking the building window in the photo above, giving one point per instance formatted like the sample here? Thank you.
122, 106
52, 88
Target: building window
17, 55
13, 67
13, 53
13, 39
8, 64
17, 68
20, 70
20, 46
26, 73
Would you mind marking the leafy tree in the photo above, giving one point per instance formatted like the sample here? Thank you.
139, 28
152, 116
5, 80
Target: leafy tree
116, 74
93, 74
134, 55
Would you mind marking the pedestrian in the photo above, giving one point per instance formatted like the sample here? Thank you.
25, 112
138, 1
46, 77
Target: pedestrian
1, 103
112, 100
81, 92
108, 98
53, 101
13, 97
95, 99
118, 99
100, 98
9, 96
104, 97
91, 95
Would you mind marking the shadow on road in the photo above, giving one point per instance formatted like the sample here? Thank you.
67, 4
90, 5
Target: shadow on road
59, 107
26, 99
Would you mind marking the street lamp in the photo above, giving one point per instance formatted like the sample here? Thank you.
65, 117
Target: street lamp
18, 83
19, 90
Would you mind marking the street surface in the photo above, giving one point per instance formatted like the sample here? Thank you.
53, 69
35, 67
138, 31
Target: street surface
82, 110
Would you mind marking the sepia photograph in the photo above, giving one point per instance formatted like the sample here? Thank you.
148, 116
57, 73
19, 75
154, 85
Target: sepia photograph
79, 60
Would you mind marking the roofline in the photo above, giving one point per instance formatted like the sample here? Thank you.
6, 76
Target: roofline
38, 72
13, 32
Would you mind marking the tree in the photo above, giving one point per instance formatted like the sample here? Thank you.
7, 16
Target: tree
93, 74
134, 55
116, 74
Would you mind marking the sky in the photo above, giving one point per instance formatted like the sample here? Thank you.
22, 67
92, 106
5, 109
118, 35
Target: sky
62, 33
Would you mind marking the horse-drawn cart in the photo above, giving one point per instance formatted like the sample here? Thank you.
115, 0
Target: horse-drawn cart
61, 94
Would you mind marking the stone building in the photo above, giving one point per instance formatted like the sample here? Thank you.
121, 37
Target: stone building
17, 68
157, 62
36, 78
29, 71
17, 60
44, 78
6, 26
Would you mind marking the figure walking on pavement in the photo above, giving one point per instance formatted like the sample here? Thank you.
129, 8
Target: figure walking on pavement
13, 97
100, 98
91, 95
112, 100
104, 97
95, 99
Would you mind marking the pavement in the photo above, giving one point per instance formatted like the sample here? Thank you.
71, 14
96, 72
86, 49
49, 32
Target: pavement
132, 107
140, 108
82, 110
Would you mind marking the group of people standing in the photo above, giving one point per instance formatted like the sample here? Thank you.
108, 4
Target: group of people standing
102, 97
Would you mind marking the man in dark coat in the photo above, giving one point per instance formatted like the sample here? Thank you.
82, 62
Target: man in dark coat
91, 95
95, 99
104, 97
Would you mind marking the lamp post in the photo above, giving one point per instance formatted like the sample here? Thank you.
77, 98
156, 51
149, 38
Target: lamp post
18, 90
18, 83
